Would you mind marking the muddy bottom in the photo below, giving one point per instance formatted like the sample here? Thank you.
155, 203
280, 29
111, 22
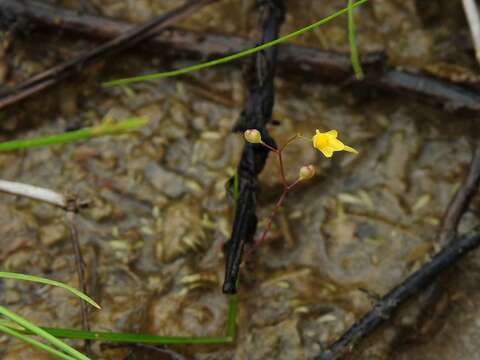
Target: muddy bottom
159, 212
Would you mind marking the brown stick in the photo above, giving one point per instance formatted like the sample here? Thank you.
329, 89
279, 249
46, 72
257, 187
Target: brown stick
429, 315
125, 39
79, 264
460, 201
312, 63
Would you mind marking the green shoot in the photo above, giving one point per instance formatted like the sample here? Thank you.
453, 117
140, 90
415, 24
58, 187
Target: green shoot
237, 55
357, 67
118, 337
106, 128
42, 333
232, 318
35, 343
36, 279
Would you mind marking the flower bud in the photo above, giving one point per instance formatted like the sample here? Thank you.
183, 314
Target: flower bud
253, 136
306, 172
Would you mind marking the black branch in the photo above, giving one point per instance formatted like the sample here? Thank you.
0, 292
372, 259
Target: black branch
312, 64
423, 279
414, 284
122, 41
255, 115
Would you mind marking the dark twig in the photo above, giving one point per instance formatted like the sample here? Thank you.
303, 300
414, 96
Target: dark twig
460, 201
256, 114
421, 280
79, 264
311, 63
413, 284
429, 313
124, 40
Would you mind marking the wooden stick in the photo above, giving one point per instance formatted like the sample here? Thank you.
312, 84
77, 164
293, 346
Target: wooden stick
311, 64
124, 40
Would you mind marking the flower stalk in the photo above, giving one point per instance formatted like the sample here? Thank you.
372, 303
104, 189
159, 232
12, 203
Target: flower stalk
327, 143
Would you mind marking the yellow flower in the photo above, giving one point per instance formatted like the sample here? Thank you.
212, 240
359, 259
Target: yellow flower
328, 143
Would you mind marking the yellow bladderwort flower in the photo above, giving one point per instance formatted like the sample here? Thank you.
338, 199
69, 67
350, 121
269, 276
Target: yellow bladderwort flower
328, 143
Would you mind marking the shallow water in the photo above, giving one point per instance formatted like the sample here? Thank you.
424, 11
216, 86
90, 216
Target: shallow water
152, 237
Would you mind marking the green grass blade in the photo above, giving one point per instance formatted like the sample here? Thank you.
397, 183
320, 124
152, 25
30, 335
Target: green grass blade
11, 325
232, 317
40, 280
357, 67
42, 333
153, 339
134, 338
86, 133
35, 343
234, 56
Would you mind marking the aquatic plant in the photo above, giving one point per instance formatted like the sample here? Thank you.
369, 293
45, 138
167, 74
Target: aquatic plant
327, 144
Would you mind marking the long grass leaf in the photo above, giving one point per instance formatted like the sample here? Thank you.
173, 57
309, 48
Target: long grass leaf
42, 333
41, 280
234, 56
35, 343
355, 59
86, 133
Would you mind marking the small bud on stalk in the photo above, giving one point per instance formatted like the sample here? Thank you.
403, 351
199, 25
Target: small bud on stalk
306, 172
253, 136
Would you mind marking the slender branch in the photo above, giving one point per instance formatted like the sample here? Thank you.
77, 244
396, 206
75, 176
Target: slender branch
34, 192
277, 207
412, 285
79, 264
74, 66
459, 203
282, 170
314, 63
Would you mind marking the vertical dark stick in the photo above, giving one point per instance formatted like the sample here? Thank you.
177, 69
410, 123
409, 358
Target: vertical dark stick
255, 115
79, 264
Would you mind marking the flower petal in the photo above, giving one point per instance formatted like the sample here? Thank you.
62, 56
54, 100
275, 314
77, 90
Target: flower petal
336, 144
350, 149
327, 151
320, 141
333, 133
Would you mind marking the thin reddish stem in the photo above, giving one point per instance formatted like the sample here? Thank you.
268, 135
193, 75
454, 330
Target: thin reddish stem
286, 188
278, 205
292, 185
293, 138
271, 148
282, 171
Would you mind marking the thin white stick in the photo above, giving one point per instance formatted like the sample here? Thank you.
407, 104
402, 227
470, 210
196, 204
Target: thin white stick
471, 11
33, 192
